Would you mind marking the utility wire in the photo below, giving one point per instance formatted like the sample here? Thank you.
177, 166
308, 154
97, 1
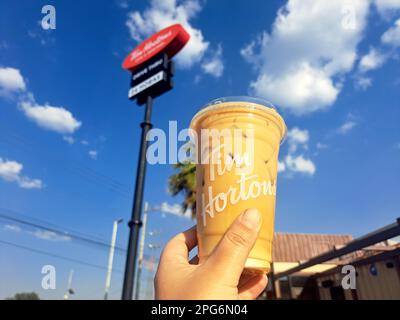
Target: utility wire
75, 167
16, 214
61, 232
55, 255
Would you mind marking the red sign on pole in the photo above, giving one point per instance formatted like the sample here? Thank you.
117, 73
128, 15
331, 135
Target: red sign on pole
169, 40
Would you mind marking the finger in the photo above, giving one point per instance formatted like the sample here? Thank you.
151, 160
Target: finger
230, 255
244, 278
253, 287
180, 245
194, 260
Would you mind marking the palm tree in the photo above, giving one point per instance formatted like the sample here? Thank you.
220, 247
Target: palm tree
184, 182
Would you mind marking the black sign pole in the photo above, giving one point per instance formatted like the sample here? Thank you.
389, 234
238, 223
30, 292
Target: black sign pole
136, 223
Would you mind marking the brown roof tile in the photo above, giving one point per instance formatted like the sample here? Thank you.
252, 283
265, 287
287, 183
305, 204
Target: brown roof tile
295, 247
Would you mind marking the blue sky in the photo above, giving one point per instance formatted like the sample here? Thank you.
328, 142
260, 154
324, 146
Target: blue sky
69, 135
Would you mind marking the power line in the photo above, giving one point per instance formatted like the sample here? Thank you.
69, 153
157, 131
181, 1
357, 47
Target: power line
49, 224
17, 141
61, 232
55, 255
77, 168
90, 177
102, 176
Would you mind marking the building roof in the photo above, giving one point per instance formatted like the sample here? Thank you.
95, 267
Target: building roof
380, 255
296, 247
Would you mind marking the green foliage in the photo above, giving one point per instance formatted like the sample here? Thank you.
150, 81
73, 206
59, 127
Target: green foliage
184, 182
25, 296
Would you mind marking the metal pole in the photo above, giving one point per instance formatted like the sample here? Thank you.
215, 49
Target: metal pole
66, 295
289, 279
135, 222
141, 251
111, 257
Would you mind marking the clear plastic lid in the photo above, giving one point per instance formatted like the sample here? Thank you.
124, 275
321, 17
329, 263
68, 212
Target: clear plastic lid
244, 101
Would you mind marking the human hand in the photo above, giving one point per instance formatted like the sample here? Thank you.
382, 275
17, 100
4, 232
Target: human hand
219, 276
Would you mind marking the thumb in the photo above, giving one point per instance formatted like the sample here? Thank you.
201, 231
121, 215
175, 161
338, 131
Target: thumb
230, 255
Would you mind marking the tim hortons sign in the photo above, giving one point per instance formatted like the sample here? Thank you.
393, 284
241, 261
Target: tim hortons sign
150, 63
169, 40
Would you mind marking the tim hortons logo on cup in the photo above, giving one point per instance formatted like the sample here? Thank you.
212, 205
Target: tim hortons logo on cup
218, 203
247, 186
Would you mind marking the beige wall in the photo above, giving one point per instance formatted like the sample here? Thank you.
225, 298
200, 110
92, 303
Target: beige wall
283, 266
385, 285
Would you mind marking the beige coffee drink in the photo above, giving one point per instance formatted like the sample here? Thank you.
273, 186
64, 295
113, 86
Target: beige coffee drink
238, 140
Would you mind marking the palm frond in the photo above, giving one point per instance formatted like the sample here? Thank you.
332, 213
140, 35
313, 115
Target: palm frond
184, 182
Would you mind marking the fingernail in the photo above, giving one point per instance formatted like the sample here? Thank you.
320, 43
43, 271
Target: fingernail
251, 218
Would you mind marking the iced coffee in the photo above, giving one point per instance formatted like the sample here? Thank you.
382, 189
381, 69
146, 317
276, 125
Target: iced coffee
237, 147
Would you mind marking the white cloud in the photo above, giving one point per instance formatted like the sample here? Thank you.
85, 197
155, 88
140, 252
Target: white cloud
297, 137
27, 183
85, 142
248, 51
12, 227
297, 163
214, 65
69, 139
50, 235
372, 60
11, 80
376, 58
281, 166
174, 209
346, 127
44, 37
197, 78
384, 6
362, 83
93, 154
163, 13
300, 164
40, 234
311, 45
392, 35
56, 119
10, 171
321, 146
52, 118
292, 163
123, 4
